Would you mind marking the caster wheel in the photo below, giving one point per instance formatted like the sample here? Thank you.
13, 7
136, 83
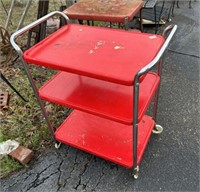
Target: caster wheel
57, 145
158, 129
136, 175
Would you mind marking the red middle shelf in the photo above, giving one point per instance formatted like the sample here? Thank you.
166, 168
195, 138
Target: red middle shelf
105, 99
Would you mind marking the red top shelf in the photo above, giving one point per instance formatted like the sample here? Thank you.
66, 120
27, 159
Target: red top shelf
109, 54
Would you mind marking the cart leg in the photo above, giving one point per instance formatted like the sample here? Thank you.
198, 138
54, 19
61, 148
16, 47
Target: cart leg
155, 106
136, 172
40, 102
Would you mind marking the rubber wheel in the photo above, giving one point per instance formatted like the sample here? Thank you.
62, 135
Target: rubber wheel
57, 145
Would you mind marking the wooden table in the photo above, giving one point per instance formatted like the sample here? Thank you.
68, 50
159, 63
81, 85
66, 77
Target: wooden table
121, 11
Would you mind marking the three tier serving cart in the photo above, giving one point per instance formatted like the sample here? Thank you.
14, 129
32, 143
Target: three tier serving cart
105, 75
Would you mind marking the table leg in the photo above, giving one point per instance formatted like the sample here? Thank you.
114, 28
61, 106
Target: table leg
126, 23
141, 26
80, 22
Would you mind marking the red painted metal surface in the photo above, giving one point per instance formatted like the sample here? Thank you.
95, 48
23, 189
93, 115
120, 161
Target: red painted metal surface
98, 69
104, 10
106, 99
108, 54
104, 138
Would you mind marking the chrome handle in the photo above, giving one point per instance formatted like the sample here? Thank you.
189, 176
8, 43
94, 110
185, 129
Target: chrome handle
32, 25
147, 68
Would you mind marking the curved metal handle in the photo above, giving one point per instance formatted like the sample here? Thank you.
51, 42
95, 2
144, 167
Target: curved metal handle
161, 51
167, 29
32, 25
136, 88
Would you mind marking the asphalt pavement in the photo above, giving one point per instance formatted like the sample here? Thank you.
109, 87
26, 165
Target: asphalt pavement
171, 160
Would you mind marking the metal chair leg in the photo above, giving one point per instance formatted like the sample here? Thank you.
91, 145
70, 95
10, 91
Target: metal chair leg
190, 4
155, 17
171, 10
177, 3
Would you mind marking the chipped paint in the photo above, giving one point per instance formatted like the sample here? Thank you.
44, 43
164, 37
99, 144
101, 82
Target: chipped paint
91, 51
152, 37
118, 47
80, 29
100, 43
97, 45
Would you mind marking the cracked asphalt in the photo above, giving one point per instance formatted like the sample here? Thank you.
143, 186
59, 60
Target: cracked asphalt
171, 160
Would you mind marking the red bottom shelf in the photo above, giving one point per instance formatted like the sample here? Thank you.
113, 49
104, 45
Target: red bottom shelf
104, 138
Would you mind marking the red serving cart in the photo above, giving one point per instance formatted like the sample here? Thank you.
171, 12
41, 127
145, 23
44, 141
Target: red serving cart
105, 76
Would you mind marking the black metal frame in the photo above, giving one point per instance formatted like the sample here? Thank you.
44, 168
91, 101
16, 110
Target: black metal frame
154, 7
12, 87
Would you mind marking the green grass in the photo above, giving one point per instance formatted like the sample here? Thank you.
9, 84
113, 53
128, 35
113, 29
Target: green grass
23, 121
8, 165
